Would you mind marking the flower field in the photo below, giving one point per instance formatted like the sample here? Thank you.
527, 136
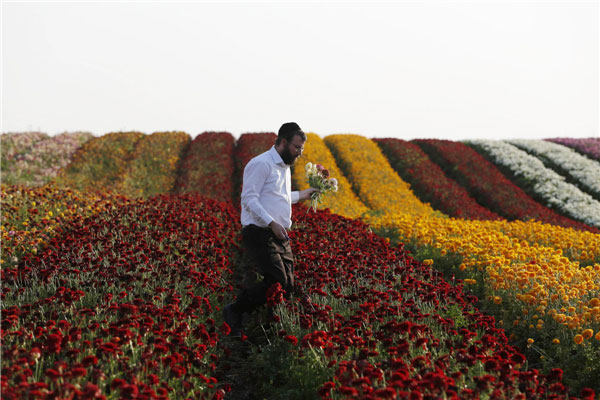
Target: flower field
208, 167
508, 263
35, 158
489, 186
578, 169
429, 183
589, 147
100, 163
154, 164
428, 274
123, 304
543, 182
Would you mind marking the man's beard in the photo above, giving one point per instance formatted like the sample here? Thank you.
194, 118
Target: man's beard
287, 157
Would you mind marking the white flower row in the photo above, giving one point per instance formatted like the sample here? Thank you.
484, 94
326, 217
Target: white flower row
546, 183
586, 171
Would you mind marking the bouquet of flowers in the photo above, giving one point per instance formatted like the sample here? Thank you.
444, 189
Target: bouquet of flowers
318, 178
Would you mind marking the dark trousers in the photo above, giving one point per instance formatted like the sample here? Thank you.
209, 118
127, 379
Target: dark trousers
273, 259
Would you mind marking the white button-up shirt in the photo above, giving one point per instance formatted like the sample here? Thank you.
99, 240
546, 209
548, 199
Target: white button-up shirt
267, 191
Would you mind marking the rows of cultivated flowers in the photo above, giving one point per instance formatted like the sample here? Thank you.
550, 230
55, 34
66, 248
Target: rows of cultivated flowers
544, 182
589, 146
489, 186
154, 164
578, 246
34, 158
585, 171
100, 163
31, 216
376, 324
373, 179
123, 304
493, 249
208, 167
344, 201
428, 181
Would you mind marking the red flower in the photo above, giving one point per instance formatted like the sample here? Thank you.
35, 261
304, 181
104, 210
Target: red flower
129, 391
325, 389
91, 391
53, 343
349, 391
225, 329
275, 294
153, 379
587, 394
555, 375
292, 339
89, 360
52, 374
78, 372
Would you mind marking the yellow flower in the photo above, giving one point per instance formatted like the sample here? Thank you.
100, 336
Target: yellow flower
555, 341
578, 339
530, 341
588, 333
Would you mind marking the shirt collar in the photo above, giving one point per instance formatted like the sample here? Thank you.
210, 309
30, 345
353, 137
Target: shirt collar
276, 157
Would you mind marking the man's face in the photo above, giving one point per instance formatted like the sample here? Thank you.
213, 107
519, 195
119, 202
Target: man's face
292, 150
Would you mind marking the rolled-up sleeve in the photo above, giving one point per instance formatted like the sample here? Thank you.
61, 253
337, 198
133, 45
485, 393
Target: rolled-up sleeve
255, 175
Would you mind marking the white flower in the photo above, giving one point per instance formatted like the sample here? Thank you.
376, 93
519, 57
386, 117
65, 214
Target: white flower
586, 171
545, 182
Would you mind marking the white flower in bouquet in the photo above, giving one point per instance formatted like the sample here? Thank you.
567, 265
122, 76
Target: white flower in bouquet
318, 178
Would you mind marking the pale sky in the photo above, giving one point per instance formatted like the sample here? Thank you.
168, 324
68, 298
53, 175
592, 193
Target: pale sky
419, 69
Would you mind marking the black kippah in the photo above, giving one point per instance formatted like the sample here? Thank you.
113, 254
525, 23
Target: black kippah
289, 127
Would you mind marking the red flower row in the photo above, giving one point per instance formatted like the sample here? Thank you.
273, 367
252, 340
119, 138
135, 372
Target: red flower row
430, 183
489, 186
208, 166
124, 302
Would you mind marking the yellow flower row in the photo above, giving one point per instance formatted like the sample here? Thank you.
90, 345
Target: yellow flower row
376, 183
534, 274
153, 165
100, 162
575, 245
344, 201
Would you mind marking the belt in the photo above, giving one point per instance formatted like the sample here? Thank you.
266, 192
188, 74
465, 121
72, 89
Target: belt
252, 226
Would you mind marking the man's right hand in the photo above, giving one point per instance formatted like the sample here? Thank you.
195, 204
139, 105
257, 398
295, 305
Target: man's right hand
279, 231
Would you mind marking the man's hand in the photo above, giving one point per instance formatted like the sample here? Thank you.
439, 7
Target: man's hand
279, 231
305, 194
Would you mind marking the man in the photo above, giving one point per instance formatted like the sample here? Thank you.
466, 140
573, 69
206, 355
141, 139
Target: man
267, 200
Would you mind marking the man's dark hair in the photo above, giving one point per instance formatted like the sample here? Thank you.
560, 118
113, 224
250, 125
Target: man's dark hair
288, 131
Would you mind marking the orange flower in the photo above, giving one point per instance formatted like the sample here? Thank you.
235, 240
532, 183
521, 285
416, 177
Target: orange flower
578, 339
